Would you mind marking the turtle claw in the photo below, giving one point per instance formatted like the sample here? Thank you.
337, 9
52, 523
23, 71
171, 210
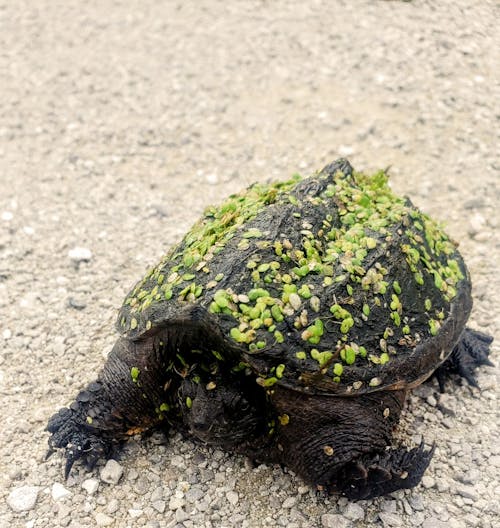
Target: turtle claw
80, 440
469, 353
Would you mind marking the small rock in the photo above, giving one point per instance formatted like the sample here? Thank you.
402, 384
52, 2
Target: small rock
176, 503
7, 333
23, 498
212, 179
80, 254
289, 502
101, 519
7, 216
181, 515
333, 520
476, 223
113, 506
390, 519
194, 494
354, 512
111, 472
90, 485
468, 492
159, 505
433, 522
134, 513
428, 482
416, 502
76, 303
389, 506
60, 492
431, 400
232, 497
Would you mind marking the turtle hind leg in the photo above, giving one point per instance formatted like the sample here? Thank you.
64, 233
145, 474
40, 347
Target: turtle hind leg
374, 475
471, 351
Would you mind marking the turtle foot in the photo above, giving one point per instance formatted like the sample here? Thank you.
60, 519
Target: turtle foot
80, 441
469, 353
375, 475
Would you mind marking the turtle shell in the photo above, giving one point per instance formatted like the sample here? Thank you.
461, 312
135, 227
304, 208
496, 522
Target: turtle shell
329, 284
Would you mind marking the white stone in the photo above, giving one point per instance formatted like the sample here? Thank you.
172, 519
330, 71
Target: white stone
23, 498
390, 519
232, 497
7, 333
102, 519
476, 223
79, 254
90, 485
176, 502
111, 472
333, 520
289, 502
7, 216
134, 513
212, 179
159, 505
59, 492
354, 512
428, 482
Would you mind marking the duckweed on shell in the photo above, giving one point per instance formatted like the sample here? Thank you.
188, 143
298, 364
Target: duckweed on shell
307, 278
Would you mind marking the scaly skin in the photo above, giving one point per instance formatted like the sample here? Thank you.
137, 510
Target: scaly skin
338, 444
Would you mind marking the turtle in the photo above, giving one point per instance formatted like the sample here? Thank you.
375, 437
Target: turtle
288, 325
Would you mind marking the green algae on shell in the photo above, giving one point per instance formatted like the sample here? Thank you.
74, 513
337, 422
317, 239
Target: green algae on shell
333, 263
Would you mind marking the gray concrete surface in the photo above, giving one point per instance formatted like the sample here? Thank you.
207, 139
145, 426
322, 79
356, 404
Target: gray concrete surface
120, 121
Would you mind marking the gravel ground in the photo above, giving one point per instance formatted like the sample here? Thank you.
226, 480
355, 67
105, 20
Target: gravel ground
120, 121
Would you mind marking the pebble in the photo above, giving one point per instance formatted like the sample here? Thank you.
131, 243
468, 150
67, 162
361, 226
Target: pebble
159, 505
416, 502
113, 506
232, 497
334, 520
428, 481
476, 223
354, 512
176, 502
135, 513
59, 492
102, 519
181, 515
7, 216
468, 492
80, 254
289, 502
431, 400
433, 522
111, 472
390, 519
23, 498
90, 485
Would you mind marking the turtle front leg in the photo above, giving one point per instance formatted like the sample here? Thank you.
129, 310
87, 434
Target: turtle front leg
381, 473
125, 399
471, 351
86, 429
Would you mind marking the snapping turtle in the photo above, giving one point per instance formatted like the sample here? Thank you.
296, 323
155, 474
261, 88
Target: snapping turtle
288, 325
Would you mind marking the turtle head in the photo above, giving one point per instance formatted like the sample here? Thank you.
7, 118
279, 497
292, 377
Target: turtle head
221, 414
